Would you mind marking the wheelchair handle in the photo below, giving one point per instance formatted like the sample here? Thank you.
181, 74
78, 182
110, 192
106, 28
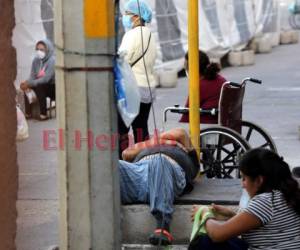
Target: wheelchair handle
255, 80
249, 79
234, 84
183, 110
245, 80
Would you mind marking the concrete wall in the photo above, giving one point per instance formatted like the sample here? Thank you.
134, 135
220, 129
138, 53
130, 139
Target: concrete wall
8, 155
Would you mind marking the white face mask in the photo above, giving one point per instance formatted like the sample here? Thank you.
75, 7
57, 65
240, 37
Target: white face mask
40, 54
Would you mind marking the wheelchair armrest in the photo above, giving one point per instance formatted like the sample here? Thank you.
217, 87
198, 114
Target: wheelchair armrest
183, 110
212, 112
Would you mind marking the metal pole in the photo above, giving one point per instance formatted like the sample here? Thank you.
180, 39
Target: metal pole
88, 174
194, 87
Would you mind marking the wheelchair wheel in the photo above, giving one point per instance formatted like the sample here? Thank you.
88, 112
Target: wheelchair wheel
257, 137
221, 150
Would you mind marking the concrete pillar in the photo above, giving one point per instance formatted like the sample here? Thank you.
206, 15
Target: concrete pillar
89, 185
8, 155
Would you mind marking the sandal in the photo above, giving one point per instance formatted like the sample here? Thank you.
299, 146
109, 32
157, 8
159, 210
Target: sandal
43, 118
162, 237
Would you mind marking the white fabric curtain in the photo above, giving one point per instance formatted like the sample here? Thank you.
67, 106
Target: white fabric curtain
224, 25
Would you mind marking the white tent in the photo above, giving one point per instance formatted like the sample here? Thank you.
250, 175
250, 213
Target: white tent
224, 25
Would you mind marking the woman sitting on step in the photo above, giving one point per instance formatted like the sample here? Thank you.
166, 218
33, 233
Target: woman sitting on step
271, 221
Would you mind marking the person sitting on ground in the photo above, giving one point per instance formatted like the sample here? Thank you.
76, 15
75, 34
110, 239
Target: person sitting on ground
271, 221
156, 172
211, 83
42, 78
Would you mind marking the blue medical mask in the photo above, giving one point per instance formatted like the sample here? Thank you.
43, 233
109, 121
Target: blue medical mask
127, 23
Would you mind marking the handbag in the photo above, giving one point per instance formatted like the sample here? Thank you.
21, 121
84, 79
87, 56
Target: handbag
31, 96
22, 126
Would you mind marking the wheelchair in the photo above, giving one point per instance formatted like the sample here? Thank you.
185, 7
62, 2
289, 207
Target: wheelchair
223, 144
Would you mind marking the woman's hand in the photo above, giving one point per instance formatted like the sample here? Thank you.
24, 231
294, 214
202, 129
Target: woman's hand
195, 210
222, 211
24, 85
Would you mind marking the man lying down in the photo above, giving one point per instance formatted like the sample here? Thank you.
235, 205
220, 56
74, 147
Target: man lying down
156, 172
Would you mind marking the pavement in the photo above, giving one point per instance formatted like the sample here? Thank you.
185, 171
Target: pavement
274, 105
37, 204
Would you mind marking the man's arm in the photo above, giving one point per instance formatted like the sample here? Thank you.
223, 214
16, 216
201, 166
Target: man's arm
130, 153
241, 223
175, 137
178, 135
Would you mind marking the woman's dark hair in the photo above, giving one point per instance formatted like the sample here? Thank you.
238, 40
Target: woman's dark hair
42, 43
206, 68
275, 172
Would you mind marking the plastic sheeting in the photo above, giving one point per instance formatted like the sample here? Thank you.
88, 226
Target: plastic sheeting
224, 25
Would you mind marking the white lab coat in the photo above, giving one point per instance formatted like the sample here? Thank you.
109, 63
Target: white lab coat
131, 46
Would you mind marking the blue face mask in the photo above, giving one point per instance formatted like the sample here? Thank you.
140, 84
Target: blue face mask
127, 23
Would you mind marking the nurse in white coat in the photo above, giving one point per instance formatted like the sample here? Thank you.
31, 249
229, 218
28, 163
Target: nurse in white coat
138, 45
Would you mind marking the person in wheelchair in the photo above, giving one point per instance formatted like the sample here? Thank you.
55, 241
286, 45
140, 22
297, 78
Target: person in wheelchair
211, 84
271, 219
156, 172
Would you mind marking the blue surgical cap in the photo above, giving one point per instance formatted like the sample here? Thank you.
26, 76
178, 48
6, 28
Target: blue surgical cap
145, 11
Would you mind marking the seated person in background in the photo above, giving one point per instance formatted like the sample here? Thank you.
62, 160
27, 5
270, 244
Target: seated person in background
271, 221
211, 83
41, 80
148, 176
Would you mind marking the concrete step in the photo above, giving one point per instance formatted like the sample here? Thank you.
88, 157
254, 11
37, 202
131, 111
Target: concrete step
138, 223
149, 247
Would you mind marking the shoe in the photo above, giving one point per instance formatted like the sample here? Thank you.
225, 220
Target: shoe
43, 118
161, 237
